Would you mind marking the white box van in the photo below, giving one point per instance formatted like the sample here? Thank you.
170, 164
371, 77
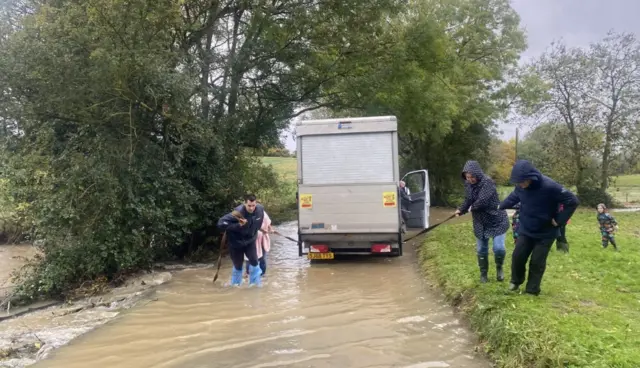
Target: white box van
348, 194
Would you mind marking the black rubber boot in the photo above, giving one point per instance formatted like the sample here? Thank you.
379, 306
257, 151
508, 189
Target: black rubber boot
499, 273
562, 246
483, 263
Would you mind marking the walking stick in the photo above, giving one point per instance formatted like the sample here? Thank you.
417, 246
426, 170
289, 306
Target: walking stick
418, 234
223, 240
430, 228
286, 237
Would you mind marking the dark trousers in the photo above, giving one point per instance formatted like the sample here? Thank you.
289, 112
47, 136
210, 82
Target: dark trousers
237, 256
538, 250
563, 234
404, 212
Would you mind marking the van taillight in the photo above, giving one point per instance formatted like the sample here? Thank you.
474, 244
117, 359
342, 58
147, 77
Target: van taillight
319, 248
381, 248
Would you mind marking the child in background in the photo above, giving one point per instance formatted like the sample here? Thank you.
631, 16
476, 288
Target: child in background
608, 227
561, 242
515, 222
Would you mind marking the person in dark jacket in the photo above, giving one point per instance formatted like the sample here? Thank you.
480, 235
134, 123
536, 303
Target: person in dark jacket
242, 232
405, 200
481, 198
562, 244
540, 198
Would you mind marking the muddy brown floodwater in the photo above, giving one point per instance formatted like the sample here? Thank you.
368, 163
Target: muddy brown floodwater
358, 312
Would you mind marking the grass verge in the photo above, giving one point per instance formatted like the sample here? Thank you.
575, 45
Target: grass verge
588, 314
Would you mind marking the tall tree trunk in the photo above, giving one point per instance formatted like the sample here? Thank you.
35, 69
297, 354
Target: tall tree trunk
231, 60
576, 151
205, 56
576, 156
606, 153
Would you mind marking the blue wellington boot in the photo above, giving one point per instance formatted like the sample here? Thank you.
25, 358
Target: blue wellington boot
254, 276
236, 277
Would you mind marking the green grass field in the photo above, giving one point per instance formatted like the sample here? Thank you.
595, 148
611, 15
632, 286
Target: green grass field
281, 201
287, 167
626, 190
588, 314
628, 181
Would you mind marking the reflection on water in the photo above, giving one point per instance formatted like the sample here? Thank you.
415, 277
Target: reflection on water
358, 312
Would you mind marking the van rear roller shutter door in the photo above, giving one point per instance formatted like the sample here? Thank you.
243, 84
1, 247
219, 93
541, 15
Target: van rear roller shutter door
347, 158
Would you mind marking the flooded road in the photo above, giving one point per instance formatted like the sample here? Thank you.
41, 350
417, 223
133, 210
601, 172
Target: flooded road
360, 312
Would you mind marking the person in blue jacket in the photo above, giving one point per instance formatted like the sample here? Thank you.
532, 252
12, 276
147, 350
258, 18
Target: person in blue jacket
242, 232
539, 222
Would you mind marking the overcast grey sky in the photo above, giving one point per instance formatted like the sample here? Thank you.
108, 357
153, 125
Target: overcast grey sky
577, 22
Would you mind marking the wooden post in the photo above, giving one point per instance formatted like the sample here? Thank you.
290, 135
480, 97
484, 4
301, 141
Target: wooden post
517, 131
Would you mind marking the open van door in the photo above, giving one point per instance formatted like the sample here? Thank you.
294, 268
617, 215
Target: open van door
417, 207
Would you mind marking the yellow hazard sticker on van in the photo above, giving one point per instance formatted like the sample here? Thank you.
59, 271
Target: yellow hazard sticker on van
306, 201
389, 199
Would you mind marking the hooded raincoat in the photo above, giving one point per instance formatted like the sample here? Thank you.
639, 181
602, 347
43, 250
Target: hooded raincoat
482, 198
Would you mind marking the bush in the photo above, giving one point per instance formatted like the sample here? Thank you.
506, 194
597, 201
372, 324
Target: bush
591, 197
13, 220
121, 228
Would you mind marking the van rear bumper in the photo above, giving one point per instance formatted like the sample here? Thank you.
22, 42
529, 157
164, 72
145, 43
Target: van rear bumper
351, 244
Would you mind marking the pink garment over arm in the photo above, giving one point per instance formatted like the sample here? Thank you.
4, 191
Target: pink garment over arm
263, 240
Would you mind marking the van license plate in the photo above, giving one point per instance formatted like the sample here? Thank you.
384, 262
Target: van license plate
328, 255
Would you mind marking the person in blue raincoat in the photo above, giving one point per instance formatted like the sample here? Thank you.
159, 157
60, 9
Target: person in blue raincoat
481, 198
539, 222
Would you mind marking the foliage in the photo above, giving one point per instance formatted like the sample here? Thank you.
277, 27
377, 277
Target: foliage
126, 123
592, 196
616, 62
592, 92
586, 315
502, 158
565, 73
442, 75
548, 147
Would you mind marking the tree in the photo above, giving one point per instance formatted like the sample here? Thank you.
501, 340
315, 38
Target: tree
443, 77
547, 147
502, 158
567, 74
592, 90
128, 123
616, 61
